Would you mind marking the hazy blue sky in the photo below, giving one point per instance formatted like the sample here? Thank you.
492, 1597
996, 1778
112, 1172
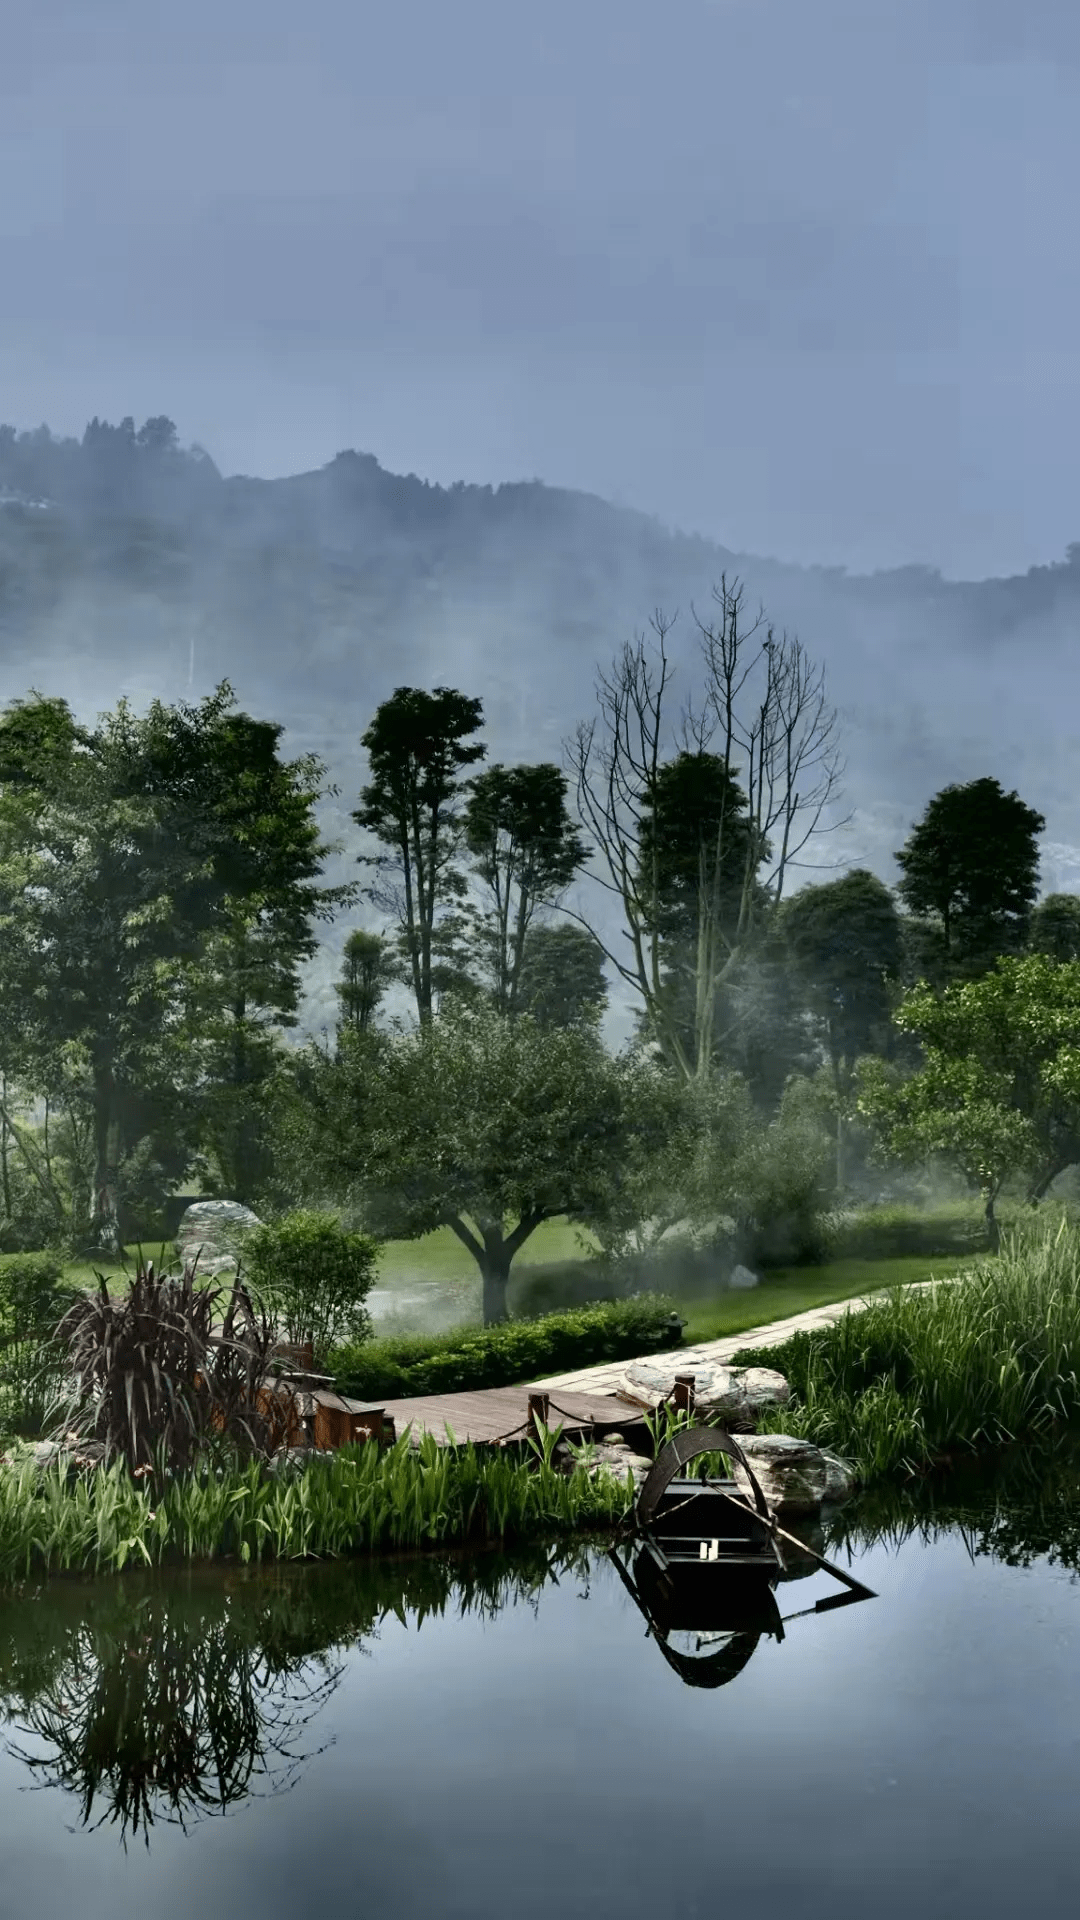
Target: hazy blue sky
800, 274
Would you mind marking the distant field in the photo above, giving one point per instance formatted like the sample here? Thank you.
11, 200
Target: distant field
793, 1290
438, 1256
439, 1261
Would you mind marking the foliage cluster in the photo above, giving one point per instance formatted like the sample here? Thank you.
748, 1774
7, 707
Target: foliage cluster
33, 1298
312, 1276
168, 1372
499, 1356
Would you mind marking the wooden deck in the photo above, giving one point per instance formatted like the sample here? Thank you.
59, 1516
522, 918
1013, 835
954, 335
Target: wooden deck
501, 1413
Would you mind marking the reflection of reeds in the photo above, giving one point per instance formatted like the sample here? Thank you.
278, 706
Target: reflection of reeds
1023, 1507
357, 1500
153, 1702
973, 1365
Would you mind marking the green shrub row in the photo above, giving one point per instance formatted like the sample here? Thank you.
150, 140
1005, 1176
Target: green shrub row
892, 1232
500, 1356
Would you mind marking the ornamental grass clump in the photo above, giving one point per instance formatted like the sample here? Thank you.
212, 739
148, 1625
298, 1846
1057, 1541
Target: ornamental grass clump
973, 1364
167, 1371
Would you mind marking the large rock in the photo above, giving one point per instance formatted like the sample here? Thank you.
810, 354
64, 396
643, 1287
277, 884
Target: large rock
212, 1230
741, 1277
795, 1476
738, 1393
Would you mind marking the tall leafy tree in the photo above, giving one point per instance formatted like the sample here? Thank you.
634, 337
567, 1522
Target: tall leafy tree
366, 972
970, 872
686, 851
1055, 927
846, 955
561, 983
526, 850
157, 881
265, 897
999, 1088
418, 746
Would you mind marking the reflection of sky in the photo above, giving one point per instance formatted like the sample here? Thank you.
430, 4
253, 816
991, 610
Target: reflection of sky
914, 1755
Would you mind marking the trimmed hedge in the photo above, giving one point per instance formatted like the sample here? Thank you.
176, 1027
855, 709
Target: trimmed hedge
503, 1355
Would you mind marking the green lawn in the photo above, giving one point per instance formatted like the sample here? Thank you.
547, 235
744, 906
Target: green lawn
440, 1258
790, 1290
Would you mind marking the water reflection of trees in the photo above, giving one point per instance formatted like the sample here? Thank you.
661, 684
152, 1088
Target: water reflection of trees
1021, 1507
158, 1699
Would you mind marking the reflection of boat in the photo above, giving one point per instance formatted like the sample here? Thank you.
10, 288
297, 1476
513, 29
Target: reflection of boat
702, 1562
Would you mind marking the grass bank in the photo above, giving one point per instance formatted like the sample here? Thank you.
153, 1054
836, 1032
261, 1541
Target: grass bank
920, 1377
786, 1291
359, 1500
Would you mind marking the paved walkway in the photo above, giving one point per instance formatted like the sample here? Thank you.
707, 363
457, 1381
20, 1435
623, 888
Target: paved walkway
710, 1353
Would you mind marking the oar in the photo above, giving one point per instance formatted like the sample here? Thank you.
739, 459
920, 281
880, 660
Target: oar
846, 1579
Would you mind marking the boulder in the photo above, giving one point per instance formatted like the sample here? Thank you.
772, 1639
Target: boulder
211, 1229
795, 1476
737, 1393
741, 1277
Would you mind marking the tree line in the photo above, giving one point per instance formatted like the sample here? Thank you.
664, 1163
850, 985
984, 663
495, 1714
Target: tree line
162, 884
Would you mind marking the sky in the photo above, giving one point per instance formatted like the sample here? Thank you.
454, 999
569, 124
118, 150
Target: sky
800, 277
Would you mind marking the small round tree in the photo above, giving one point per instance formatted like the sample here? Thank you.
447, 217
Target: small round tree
313, 1277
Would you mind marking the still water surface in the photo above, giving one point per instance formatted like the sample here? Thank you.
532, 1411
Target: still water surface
477, 1739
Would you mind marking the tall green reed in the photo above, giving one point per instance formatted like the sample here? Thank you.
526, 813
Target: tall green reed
358, 1500
993, 1357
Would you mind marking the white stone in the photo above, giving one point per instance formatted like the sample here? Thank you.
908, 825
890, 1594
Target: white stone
742, 1277
738, 1392
795, 1476
211, 1230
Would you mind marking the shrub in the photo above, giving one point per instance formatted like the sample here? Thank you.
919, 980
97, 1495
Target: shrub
502, 1355
170, 1369
890, 1232
313, 1276
32, 1302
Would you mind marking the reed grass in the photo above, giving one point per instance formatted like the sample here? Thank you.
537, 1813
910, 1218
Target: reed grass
357, 1500
916, 1377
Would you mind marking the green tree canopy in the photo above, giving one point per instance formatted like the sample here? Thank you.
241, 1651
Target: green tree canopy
158, 877
526, 850
562, 981
483, 1124
999, 1091
1055, 927
366, 971
970, 872
418, 745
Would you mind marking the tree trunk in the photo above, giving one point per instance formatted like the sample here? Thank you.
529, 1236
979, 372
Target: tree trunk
495, 1272
105, 1217
993, 1230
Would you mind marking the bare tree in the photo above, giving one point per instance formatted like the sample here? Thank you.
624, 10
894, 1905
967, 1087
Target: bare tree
763, 725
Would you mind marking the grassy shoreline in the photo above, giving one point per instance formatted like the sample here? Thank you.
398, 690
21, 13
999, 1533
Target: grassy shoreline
356, 1501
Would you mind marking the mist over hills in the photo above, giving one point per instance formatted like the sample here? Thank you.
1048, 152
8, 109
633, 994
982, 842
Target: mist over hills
130, 566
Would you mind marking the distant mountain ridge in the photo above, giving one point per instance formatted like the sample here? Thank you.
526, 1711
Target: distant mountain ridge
130, 565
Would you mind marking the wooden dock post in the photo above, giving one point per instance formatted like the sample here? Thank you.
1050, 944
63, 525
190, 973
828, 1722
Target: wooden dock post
539, 1408
682, 1394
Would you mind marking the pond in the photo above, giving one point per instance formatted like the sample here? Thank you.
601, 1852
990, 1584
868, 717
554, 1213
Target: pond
499, 1736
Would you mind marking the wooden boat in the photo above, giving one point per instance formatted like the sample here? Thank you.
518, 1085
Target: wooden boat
704, 1560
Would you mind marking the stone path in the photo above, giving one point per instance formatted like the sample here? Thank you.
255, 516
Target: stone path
605, 1378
